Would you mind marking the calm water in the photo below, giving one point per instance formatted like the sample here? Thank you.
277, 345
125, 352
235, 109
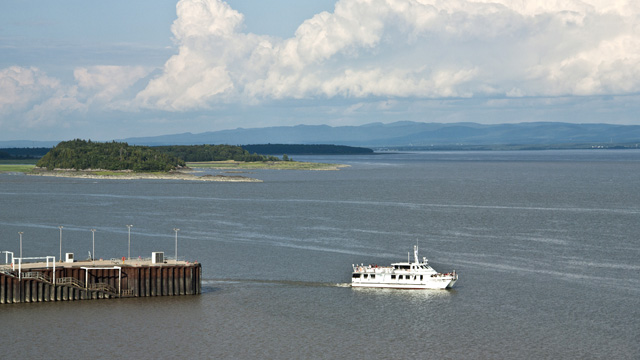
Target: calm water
546, 245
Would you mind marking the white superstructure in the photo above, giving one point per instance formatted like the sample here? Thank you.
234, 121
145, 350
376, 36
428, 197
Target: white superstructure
402, 275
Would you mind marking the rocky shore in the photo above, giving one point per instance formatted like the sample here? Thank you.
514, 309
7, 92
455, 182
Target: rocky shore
130, 175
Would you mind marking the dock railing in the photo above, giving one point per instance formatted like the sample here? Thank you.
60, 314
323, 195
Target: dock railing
36, 275
70, 281
102, 287
7, 269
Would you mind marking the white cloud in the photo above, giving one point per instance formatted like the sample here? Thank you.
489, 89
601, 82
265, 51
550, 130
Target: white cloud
21, 86
29, 98
367, 60
404, 48
104, 83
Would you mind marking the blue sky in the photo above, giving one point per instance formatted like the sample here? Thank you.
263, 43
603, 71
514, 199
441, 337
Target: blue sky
116, 69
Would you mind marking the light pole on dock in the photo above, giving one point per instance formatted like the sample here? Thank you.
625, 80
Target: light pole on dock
60, 227
93, 239
176, 230
129, 253
20, 233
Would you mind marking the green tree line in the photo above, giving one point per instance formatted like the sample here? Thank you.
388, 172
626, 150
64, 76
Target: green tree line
306, 149
80, 154
23, 153
212, 153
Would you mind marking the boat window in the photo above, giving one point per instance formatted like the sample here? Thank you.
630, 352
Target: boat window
373, 276
393, 277
366, 276
356, 276
421, 277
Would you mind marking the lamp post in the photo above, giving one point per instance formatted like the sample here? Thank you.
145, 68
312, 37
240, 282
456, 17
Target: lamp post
176, 230
20, 233
93, 239
129, 252
60, 227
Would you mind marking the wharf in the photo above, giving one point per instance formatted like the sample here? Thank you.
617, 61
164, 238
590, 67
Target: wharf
99, 279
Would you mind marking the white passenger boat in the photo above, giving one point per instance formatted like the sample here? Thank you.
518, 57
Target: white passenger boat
402, 275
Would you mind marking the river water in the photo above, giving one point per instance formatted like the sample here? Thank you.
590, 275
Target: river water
546, 245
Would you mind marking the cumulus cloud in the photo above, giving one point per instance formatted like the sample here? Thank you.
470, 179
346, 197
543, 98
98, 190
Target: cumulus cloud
103, 83
404, 48
21, 86
364, 57
30, 98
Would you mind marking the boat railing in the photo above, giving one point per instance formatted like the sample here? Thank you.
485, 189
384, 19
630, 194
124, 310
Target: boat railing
451, 274
372, 268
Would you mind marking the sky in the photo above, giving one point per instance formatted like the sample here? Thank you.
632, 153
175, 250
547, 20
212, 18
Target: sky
116, 69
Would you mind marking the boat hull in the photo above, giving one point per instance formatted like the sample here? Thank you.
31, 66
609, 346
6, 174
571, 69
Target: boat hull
436, 284
397, 286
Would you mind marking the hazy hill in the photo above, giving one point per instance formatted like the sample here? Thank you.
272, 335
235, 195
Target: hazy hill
410, 133
404, 133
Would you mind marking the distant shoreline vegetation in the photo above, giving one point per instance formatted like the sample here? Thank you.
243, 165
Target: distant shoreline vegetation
199, 153
119, 156
21, 154
304, 149
512, 147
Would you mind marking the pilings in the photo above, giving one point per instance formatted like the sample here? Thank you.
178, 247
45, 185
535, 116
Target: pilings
85, 283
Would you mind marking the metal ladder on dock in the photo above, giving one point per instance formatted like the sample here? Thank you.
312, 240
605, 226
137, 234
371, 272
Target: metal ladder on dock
104, 287
37, 276
70, 281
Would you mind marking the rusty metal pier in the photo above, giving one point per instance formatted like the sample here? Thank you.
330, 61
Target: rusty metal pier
99, 279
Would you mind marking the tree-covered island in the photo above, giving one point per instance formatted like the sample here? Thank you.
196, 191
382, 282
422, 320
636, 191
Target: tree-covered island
87, 158
86, 154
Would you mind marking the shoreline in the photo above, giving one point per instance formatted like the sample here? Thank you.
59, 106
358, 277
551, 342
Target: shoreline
187, 173
266, 165
141, 176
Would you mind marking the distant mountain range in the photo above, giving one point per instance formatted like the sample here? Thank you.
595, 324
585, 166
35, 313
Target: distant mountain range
410, 134
398, 134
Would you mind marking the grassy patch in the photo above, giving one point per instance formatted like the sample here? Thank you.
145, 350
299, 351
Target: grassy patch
276, 165
15, 168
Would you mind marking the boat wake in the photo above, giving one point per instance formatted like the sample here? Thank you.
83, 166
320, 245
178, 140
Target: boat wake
220, 282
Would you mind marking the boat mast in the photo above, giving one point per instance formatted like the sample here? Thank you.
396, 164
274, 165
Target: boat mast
415, 253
